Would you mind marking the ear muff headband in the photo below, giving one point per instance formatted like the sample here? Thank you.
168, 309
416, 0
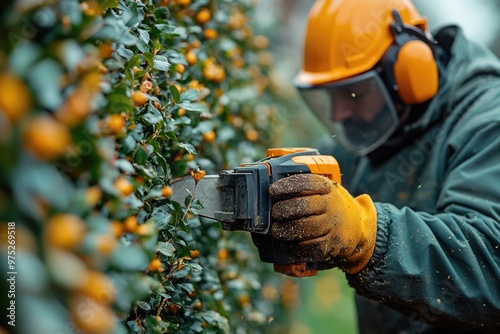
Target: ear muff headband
409, 63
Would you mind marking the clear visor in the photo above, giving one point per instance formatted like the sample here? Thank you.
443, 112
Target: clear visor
358, 111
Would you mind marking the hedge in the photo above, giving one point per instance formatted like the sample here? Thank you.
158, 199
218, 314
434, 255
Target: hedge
102, 104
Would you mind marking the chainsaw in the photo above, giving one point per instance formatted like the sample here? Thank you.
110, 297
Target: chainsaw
239, 199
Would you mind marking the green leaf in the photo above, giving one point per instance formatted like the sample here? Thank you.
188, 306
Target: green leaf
108, 3
128, 144
153, 193
145, 306
175, 57
125, 53
160, 217
127, 38
142, 45
181, 273
188, 287
33, 180
45, 78
118, 101
216, 319
195, 267
165, 28
71, 54
161, 63
196, 106
129, 257
165, 248
125, 165
148, 57
23, 56
141, 156
153, 115
134, 61
190, 95
133, 15
175, 93
188, 147
71, 8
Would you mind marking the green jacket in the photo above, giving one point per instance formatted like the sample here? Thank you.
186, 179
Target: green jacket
436, 187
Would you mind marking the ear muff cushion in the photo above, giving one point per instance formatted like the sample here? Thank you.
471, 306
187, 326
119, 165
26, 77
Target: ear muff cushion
416, 73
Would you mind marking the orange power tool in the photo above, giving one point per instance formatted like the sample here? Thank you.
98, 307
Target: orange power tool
240, 200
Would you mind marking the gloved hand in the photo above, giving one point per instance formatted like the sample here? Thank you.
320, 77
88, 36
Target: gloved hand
320, 220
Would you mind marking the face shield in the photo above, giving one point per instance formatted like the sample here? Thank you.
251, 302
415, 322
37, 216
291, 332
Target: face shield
358, 111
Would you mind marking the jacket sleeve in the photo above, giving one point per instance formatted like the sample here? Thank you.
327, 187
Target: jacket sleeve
443, 268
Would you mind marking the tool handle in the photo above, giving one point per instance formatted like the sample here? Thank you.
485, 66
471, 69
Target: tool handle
324, 165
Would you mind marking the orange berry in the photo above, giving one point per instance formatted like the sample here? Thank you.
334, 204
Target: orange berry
92, 80
183, 2
203, 16
265, 58
260, 42
46, 138
194, 253
106, 50
91, 316
180, 88
166, 191
66, 21
243, 300
173, 308
180, 68
181, 112
209, 136
105, 243
114, 124
195, 44
139, 98
118, 228
222, 254
210, 33
252, 135
99, 287
143, 229
93, 195
15, 98
191, 57
76, 107
238, 62
65, 231
124, 186
197, 305
195, 84
154, 265
130, 224
237, 20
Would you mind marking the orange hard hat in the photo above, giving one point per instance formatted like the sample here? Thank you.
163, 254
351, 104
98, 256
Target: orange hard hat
345, 38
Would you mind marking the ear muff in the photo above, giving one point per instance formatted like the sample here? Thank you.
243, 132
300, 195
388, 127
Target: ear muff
415, 73
410, 65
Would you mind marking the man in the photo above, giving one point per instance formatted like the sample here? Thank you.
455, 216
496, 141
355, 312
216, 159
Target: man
416, 124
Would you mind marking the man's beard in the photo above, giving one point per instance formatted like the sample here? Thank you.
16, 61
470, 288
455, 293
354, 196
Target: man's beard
360, 134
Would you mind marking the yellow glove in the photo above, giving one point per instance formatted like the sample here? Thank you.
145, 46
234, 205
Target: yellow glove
320, 220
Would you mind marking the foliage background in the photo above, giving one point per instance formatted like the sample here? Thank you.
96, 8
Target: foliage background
102, 103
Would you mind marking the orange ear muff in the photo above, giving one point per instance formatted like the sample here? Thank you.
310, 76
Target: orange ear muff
415, 72
409, 65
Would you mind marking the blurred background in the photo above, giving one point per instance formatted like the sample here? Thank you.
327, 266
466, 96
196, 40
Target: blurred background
326, 302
